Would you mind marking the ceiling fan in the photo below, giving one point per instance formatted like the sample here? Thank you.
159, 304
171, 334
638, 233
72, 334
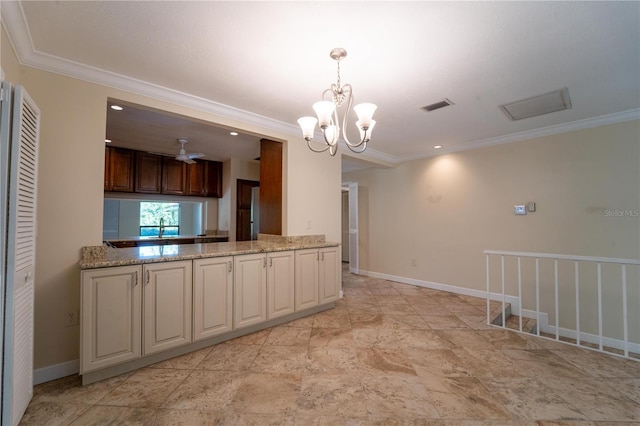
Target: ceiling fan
183, 156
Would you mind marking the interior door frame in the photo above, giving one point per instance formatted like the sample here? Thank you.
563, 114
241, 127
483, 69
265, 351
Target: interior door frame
239, 184
354, 233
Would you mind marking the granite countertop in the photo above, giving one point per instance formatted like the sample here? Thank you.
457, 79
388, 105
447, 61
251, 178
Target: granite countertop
103, 256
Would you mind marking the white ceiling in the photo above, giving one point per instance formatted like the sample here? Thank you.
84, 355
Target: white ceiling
267, 62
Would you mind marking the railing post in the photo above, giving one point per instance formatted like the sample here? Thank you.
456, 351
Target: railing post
488, 291
520, 292
600, 305
624, 310
555, 272
577, 279
538, 296
504, 305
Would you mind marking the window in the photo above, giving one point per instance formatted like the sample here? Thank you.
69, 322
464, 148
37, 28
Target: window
152, 212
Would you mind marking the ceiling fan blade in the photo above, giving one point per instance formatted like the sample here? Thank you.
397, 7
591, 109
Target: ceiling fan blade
160, 153
195, 155
189, 161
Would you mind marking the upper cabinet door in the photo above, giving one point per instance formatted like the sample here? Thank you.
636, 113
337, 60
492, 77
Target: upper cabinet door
120, 170
174, 176
204, 179
148, 173
195, 178
213, 179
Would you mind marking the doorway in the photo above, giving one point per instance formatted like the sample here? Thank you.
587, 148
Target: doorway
247, 210
351, 220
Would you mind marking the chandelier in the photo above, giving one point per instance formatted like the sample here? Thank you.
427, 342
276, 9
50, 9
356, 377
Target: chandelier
328, 118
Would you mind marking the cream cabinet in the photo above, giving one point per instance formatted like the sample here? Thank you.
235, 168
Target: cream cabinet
306, 278
167, 300
280, 283
212, 296
250, 289
110, 316
329, 275
317, 273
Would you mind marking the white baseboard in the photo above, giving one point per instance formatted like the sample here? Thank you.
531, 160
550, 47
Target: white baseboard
57, 371
515, 302
515, 309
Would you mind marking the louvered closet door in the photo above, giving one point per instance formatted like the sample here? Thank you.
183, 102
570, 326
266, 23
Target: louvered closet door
21, 246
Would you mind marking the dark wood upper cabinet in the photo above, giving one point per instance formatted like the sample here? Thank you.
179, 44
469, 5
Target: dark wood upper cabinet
213, 179
119, 169
148, 173
270, 187
174, 176
204, 179
128, 170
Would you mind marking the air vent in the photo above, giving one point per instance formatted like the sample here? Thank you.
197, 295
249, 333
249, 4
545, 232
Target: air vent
443, 103
538, 105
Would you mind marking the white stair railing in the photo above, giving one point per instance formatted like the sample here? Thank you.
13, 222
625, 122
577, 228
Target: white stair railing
575, 336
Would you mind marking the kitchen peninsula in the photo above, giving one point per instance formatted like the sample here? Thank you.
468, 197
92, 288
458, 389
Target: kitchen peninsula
142, 305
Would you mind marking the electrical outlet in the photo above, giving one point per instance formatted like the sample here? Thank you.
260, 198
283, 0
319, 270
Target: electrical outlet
71, 319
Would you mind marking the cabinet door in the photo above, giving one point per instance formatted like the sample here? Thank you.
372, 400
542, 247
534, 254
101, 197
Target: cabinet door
148, 173
212, 296
110, 316
167, 299
174, 176
213, 179
280, 283
329, 281
250, 289
195, 178
121, 170
306, 281
107, 168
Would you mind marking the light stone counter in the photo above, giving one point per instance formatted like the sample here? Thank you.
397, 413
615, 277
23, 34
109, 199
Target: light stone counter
103, 257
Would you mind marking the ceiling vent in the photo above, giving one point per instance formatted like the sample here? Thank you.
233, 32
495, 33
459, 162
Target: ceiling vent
443, 103
538, 105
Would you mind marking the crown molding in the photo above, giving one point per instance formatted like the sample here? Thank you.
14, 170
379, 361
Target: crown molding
17, 29
14, 22
587, 123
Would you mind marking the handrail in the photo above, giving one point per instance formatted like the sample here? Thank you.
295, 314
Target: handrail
599, 338
564, 257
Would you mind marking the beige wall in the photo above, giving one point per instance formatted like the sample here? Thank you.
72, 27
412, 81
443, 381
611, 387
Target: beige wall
70, 191
444, 211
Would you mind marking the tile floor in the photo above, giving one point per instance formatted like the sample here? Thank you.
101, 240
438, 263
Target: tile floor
388, 354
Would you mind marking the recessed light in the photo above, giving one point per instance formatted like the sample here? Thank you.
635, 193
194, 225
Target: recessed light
438, 146
116, 107
234, 133
107, 140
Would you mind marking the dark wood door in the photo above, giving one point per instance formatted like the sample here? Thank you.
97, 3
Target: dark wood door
174, 176
121, 167
270, 187
243, 208
148, 173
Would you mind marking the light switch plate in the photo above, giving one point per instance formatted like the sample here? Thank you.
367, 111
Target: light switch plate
521, 209
531, 206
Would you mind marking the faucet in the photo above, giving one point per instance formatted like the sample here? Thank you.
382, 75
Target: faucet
161, 228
